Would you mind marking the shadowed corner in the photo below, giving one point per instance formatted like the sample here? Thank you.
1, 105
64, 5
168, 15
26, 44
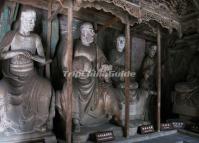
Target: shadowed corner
2, 5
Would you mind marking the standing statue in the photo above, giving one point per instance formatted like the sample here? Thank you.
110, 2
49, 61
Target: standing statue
25, 97
148, 69
148, 81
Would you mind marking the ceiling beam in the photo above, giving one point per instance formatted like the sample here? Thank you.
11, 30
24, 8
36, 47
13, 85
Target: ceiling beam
109, 23
89, 15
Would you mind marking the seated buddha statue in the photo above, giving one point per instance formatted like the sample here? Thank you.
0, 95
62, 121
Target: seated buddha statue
186, 93
117, 60
25, 97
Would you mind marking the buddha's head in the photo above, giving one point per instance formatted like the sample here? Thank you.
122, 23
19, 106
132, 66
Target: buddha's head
87, 34
120, 43
152, 51
28, 19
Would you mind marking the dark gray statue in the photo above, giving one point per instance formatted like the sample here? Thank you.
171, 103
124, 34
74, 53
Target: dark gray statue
117, 59
148, 69
138, 96
25, 97
186, 93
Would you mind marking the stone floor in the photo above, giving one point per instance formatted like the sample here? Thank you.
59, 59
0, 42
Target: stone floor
163, 137
175, 138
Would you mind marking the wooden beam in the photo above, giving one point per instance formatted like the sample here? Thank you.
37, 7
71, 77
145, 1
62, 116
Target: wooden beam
159, 79
2, 5
109, 23
49, 35
55, 13
69, 85
127, 78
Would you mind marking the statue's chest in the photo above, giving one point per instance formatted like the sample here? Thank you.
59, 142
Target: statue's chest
23, 43
88, 52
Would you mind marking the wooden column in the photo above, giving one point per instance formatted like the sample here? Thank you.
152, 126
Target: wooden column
69, 85
49, 35
2, 5
127, 79
159, 79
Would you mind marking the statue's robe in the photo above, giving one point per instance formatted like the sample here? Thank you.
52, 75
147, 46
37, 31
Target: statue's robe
117, 60
92, 98
92, 101
27, 97
189, 90
93, 53
148, 66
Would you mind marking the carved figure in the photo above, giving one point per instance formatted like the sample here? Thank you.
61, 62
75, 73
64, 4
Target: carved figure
117, 59
186, 93
148, 69
93, 98
25, 96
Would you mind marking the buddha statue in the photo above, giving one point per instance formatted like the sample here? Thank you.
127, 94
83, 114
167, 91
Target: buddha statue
25, 97
117, 60
94, 99
93, 102
186, 93
138, 96
148, 69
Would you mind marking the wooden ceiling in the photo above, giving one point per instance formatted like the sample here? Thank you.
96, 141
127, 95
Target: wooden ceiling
160, 10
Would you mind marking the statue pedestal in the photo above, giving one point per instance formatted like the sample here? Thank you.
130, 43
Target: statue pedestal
136, 111
85, 133
183, 106
31, 138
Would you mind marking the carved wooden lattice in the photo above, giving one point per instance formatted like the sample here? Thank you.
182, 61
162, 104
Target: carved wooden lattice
145, 11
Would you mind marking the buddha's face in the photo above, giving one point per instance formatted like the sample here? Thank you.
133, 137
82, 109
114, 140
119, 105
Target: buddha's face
120, 45
152, 51
87, 34
28, 19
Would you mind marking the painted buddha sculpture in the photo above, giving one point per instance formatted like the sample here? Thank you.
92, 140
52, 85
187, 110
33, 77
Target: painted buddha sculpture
117, 60
138, 95
25, 96
93, 99
148, 69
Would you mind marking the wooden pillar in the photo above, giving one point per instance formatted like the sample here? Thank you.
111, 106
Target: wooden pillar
127, 79
69, 85
159, 79
2, 5
49, 35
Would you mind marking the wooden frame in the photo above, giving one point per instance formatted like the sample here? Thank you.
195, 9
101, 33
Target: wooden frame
129, 14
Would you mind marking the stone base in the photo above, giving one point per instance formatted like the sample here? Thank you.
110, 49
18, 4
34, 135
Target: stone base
136, 111
30, 138
186, 110
83, 136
